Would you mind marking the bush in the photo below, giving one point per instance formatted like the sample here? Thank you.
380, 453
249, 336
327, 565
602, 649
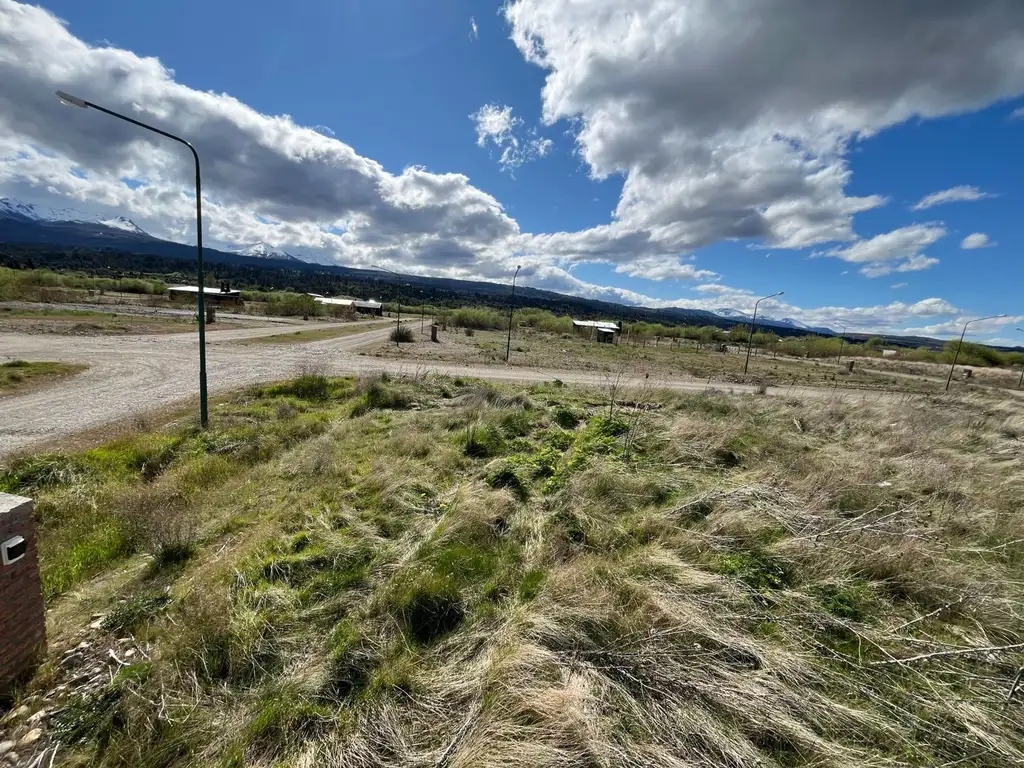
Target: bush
470, 332
377, 395
402, 334
478, 319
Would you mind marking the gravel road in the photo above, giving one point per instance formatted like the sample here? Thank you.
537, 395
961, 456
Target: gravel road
131, 375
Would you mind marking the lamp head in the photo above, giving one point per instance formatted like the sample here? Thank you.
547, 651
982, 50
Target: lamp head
72, 101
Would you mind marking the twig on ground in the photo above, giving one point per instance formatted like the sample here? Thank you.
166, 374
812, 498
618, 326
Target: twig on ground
948, 654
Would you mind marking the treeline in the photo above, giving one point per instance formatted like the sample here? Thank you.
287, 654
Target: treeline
48, 286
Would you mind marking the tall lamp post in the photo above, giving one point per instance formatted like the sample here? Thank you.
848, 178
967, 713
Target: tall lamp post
1021, 368
398, 300
842, 338
753, 321
511, 309
74, 101
963, 333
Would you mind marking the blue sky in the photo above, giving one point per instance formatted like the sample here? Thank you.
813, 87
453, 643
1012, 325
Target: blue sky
649, 151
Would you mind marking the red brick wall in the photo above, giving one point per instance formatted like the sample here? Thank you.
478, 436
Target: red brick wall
22, 616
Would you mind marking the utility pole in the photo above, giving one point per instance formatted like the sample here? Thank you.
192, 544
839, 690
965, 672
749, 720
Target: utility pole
74, 101
753, 321
511, 309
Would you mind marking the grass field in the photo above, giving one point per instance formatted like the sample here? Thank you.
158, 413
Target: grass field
316, 334
569, 352
87, 323
18, 376
439, 572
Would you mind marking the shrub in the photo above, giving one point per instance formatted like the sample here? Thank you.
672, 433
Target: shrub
402, 334
469, 332
376, 394
479, 319
504, 475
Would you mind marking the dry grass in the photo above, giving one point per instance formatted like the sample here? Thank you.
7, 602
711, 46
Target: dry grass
451, 574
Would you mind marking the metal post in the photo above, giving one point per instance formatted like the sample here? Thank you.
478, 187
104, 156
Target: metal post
511, 309
82, 103
956, 354
753, 321
398, 300
1021, 367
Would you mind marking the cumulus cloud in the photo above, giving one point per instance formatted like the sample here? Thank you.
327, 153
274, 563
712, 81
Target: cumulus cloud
960, 194
977, 240
954, 326
719, 136
654, 268
498, 127
896, 251
261, 172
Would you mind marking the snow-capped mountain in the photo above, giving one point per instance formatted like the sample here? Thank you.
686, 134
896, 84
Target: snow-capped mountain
44, 214
123, 223
762, 319
263, 251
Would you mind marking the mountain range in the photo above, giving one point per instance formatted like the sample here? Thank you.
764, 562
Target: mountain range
25, 223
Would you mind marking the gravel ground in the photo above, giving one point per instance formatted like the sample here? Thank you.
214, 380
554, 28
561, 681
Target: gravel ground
130, 375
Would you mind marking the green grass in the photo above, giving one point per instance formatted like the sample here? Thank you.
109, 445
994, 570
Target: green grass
395, 570
19, 375
314, 334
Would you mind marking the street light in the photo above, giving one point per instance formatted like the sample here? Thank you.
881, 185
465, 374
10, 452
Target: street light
1021, 367
511, 309
398, 300
956, 354
74, 101
753, 320
842, 338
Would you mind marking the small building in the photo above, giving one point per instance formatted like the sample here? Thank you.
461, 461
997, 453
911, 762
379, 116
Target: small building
223, 295
889, 353
363, 307
602, 331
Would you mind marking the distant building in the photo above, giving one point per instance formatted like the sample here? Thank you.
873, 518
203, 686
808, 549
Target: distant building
889, 353
359, 305
603, 331
223, 295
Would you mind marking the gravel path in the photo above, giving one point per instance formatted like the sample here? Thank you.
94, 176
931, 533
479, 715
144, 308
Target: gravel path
131, 375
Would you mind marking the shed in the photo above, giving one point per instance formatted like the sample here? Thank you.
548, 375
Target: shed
223, 295
363, 307
603, 331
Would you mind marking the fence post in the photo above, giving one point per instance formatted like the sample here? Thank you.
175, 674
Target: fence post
22, 615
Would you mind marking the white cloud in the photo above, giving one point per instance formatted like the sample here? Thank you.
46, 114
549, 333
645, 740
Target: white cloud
719, 137
498, 126
474, 31
896, 251
975, 241
897, 286
952, 195
954, 326
653, 268
1017, 114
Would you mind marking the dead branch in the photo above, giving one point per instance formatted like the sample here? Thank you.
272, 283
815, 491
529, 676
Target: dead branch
948, 654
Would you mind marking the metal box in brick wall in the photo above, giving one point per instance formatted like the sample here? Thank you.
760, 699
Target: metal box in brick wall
22, 616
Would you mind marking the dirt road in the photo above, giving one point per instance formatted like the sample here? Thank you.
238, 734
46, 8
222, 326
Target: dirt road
131, 375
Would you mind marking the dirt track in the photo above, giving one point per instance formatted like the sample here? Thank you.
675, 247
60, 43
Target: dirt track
131, 375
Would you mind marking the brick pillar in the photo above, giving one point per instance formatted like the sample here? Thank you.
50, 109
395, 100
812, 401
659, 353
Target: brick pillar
22, 616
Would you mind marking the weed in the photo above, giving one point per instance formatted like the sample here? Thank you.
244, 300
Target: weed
129, 614
402, 335
758, 569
